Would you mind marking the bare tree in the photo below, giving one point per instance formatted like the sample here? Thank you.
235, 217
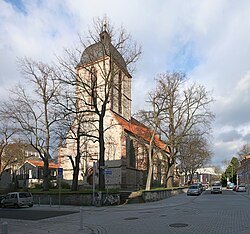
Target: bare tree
244, 151
152, 120
34, 110
185, 107
73, 129
194, 153
96, 77
7, 132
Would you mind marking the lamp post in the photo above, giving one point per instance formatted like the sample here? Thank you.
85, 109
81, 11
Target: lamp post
247, 176
232, 172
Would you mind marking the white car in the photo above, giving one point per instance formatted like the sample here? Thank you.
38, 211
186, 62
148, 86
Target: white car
216, 187
18, 199
241, 188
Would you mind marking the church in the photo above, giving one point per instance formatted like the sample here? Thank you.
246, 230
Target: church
105, 76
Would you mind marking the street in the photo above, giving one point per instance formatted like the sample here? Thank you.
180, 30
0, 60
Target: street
208, 213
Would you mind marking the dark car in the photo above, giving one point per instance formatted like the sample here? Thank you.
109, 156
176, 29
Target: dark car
194, 190
199, 184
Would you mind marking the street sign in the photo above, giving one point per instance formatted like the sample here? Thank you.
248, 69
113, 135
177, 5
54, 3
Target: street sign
108, 172
60, 172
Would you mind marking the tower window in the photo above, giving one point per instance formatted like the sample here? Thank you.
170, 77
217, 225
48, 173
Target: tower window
93, 86
112, 94
120, 93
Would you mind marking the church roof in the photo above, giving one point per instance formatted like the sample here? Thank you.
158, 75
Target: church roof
102, 49
141, 130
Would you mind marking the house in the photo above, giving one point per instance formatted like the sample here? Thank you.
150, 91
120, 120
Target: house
30, 174
126, 139
204, 175
244, 171
15, 154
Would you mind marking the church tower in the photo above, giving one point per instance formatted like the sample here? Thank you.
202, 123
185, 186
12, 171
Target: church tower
107, 73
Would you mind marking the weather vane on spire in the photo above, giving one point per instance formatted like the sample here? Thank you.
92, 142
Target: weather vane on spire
104, 25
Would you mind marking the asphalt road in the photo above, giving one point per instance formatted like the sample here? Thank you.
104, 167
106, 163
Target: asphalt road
31, 214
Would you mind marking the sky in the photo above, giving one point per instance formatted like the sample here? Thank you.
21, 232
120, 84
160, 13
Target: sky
209, 40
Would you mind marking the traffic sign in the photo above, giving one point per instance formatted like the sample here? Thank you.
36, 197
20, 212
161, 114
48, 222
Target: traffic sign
60, 172
108, 172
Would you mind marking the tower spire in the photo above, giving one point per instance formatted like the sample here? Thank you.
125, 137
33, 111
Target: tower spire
104, 35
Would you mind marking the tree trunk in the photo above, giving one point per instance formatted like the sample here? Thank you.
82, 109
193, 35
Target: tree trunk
74, 186
76, 168
101, 156
46, 174
150, 169
170, 176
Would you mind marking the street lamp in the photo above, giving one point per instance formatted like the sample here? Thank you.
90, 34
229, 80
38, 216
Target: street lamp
232, 172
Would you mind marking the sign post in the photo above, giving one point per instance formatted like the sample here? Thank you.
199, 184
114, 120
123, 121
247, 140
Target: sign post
60, 176
93, 196
107, 172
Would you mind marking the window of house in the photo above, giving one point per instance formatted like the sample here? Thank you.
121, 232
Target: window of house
30, 174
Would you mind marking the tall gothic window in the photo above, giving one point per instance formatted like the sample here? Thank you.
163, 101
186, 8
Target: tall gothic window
93, 87
120, 93
112, 95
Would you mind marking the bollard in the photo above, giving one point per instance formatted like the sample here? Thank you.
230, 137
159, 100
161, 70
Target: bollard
81, 218
50, 202
5, 228
39, 201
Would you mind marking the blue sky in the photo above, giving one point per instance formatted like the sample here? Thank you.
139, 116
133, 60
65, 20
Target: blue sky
18, 5
209, 40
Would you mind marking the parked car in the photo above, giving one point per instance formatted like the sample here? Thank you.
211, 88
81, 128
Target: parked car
18, 199
230, 185
216, 187
194, 190
241, 188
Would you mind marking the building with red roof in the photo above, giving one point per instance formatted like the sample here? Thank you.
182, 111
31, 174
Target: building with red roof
30, 174
243, 172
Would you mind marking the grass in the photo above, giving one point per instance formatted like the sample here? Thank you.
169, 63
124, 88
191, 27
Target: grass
68, 191
88, 191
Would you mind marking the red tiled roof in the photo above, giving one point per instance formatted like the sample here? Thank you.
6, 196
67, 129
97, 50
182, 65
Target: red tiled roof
41, 164
140, 130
